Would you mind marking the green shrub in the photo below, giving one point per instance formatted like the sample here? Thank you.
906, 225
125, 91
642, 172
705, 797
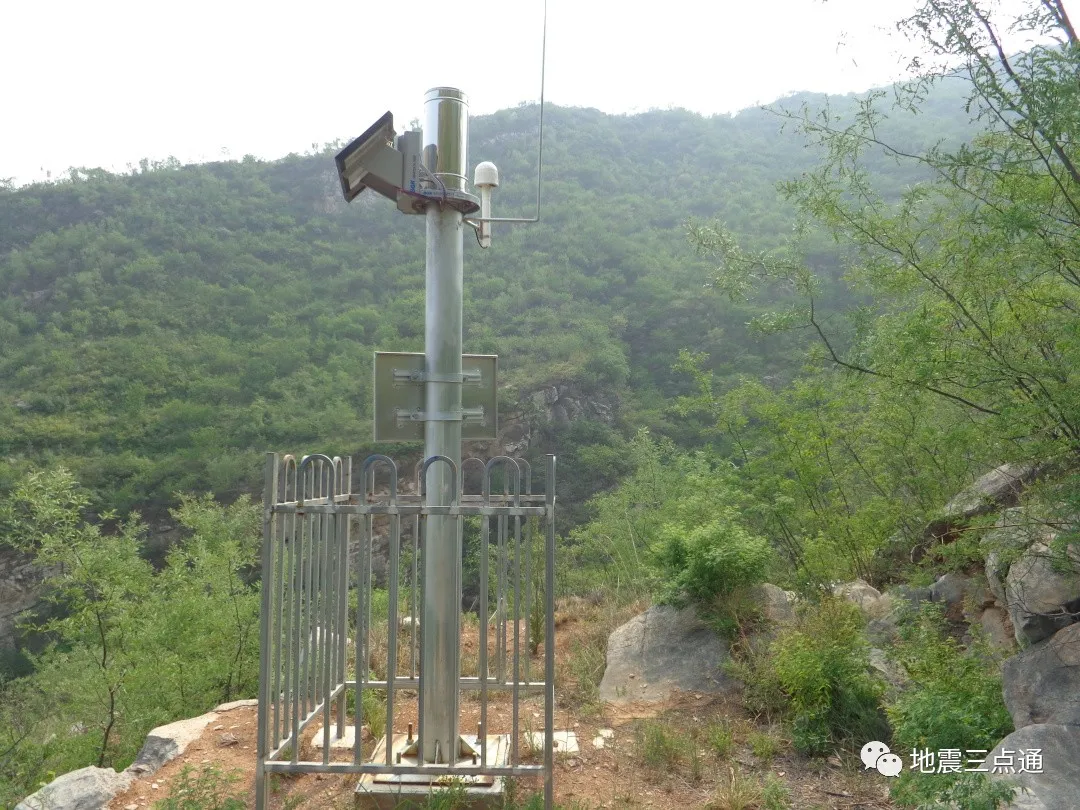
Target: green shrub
822, 665
710, 559
752, 663
954, 699
970, 791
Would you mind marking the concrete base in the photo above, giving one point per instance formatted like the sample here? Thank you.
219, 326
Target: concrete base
406, 791
348, 739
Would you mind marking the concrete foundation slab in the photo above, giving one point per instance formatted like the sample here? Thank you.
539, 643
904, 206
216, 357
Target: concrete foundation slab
404, 791
348, 738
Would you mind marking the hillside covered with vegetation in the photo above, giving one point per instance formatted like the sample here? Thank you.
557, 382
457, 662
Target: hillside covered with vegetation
814, 326
162, 329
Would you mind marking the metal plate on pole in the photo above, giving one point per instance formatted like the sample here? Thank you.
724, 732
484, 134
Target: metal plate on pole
399, 397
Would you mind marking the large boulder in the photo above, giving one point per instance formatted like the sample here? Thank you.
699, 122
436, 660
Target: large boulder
1001, 487
1042, 683
1058, 750
660, 651
863, 594
997, 628
85, 789
1039, 586
165, 743
1041, 598
776, 604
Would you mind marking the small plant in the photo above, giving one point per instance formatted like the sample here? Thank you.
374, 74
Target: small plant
752, 663
659, 748
374, 709
206, 789
763, 744
774, 794
697, 767
736, 793
720, 738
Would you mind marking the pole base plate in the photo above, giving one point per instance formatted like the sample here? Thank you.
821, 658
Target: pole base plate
388, 791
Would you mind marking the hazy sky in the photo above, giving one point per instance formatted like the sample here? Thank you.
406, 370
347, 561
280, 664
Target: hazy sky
106, 83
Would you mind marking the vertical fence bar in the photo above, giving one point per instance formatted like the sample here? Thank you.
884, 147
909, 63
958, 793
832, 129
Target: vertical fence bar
482, 664
363, 579
549, 637
392, 629
277, 613
343, 525
500, 599
266, 628
327, 611
517, 639
413, 592
306, 560
421, 674
296, 588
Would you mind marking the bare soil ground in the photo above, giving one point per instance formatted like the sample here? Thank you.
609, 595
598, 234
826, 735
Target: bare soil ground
657, 756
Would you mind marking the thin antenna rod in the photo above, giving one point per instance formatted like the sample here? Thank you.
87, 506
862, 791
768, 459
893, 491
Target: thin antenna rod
540, 155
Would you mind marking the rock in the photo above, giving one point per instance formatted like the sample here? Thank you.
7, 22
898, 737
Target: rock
1041, 599
85, 789
996, 569
1001, 487
776, 604
882, 632
957, 593
236, 704
1055, 787
20, 589
165, 743
997, 628
950, 590
1010, 536
907, 597
893, 675
866, 596
659, 651
564, 403
1042, 683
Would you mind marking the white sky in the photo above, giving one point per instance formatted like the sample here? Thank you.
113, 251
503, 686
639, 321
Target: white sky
106, 83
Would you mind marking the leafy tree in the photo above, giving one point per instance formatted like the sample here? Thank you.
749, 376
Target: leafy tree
129, 647
967, 335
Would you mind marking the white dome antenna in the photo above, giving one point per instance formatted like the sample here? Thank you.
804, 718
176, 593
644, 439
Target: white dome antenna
486, 179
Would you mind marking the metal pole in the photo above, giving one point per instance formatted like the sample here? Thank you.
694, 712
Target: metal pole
445, 139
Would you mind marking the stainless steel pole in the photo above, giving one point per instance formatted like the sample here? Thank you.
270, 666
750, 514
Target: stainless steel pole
445, 135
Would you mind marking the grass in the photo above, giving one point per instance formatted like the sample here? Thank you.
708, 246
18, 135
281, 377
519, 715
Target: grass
720, 738
763, 744
659, 748
736, 793
207, 789
774, 794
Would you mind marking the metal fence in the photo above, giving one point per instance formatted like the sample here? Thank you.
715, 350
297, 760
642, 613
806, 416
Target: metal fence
316, 655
